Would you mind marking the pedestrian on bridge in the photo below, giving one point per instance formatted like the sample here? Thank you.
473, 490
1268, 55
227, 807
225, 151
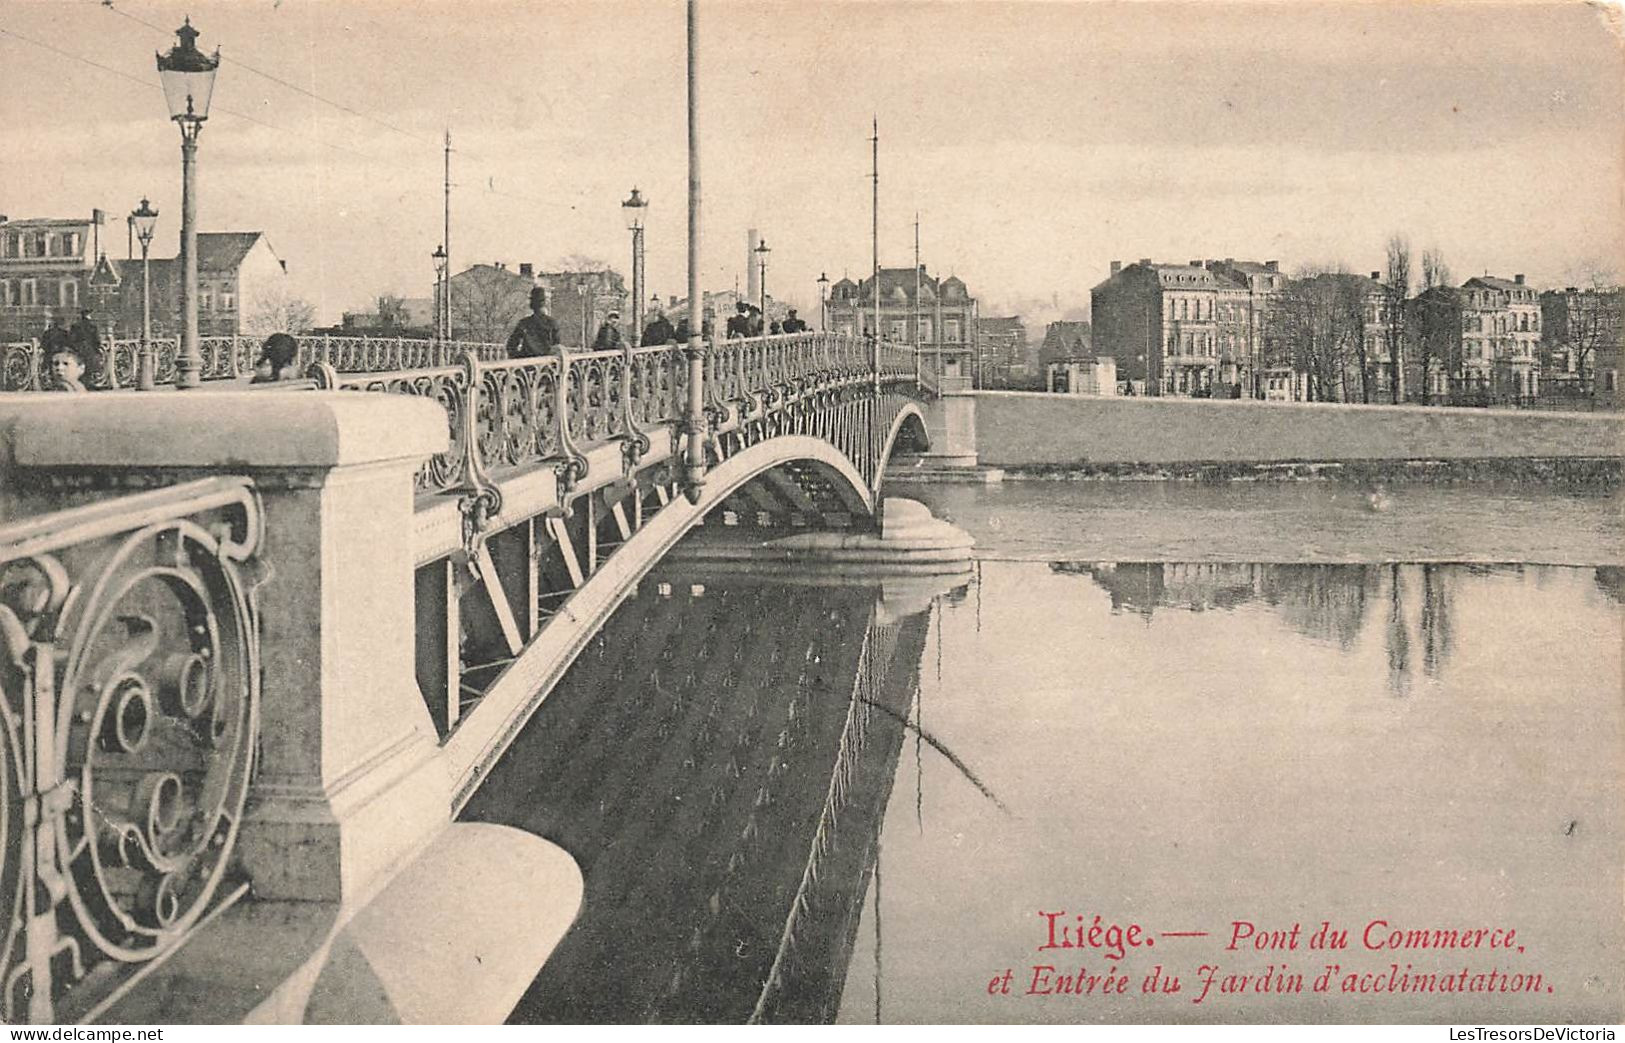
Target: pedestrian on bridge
87, 341
66, 369
793, 324
658, 331
536, 335
609, 334
279, 360
739, 324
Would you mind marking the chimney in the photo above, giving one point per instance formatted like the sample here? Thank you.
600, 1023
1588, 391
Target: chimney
527, 269
1196, 264
1145, 260
1376, 277
1229, 260
1273, 266
1518, 278
1117, 266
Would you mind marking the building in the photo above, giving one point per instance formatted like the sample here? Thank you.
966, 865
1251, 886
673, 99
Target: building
1064, 340
1360, 309
942, 316
54, 264
1082, 376
487, 300
1481, 340
45, 268
1194, 329
1001, 345
1581, 336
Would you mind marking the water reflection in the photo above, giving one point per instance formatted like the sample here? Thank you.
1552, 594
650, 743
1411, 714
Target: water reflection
1325, 602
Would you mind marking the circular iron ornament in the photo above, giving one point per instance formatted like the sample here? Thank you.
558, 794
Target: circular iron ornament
157, 721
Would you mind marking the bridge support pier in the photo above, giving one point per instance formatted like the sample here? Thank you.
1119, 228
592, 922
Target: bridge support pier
950, 424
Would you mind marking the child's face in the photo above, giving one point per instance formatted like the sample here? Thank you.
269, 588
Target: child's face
66, 367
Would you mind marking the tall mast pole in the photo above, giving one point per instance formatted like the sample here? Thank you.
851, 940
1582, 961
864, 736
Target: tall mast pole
874, 235
694, 416
918, 305
445, 288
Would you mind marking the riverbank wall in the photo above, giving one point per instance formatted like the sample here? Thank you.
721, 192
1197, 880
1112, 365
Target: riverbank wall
1035, 434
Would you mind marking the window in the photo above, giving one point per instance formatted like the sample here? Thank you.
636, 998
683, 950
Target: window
1608, 381
30, 294
69, 295
228, 301
40, 240
950, 330
8, 245
205, 299
925, 331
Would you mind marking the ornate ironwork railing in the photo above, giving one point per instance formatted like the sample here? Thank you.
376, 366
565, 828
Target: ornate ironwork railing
129, 700
23, 367
516, 412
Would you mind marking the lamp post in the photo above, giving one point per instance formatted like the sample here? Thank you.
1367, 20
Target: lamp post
442, 298
761, 252
144, 219
188, 80
633, 209
823, 301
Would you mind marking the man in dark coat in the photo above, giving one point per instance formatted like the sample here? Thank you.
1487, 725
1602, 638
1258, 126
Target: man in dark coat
609, 334
756, 326
739, 324
793, 324
536, 334
658, 331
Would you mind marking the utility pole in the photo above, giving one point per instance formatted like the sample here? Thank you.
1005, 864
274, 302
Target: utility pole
694, 350
917, 304
874, 280
445, 306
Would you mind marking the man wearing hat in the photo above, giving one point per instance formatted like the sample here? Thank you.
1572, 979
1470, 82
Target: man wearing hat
536, 334
609, 334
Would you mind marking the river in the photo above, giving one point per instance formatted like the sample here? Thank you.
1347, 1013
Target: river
1214, 717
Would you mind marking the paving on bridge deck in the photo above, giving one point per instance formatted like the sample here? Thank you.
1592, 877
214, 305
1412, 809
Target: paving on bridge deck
688, 773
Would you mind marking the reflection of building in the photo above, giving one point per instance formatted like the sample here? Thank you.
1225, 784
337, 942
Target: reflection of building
943, 318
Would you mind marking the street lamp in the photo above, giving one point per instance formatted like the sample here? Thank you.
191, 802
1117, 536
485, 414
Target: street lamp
761, 252
823, 301
144, 219
187, 75
442, 298
634, 209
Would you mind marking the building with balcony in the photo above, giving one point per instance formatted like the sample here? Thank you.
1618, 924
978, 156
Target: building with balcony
1194, 329
913, 304
1482, 339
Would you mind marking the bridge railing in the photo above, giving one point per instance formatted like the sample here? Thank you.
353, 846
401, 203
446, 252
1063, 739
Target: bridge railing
129, 715
23, 366
504, 413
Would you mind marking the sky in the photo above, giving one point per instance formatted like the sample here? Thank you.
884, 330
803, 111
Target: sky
1037, 142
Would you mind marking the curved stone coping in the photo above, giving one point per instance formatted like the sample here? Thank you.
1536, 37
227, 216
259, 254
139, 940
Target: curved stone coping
230, 430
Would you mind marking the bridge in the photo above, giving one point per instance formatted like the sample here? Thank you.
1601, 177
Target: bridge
259, 648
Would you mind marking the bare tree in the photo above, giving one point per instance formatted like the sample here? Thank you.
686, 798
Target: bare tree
391, 311
1396, 290
1316, 324
486, 302
1594, 317
277, 311
1438, 320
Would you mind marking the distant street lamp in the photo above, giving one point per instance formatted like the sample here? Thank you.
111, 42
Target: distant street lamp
144, 220
634, 209
761, 252
442, 295
823, 301
187, 75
